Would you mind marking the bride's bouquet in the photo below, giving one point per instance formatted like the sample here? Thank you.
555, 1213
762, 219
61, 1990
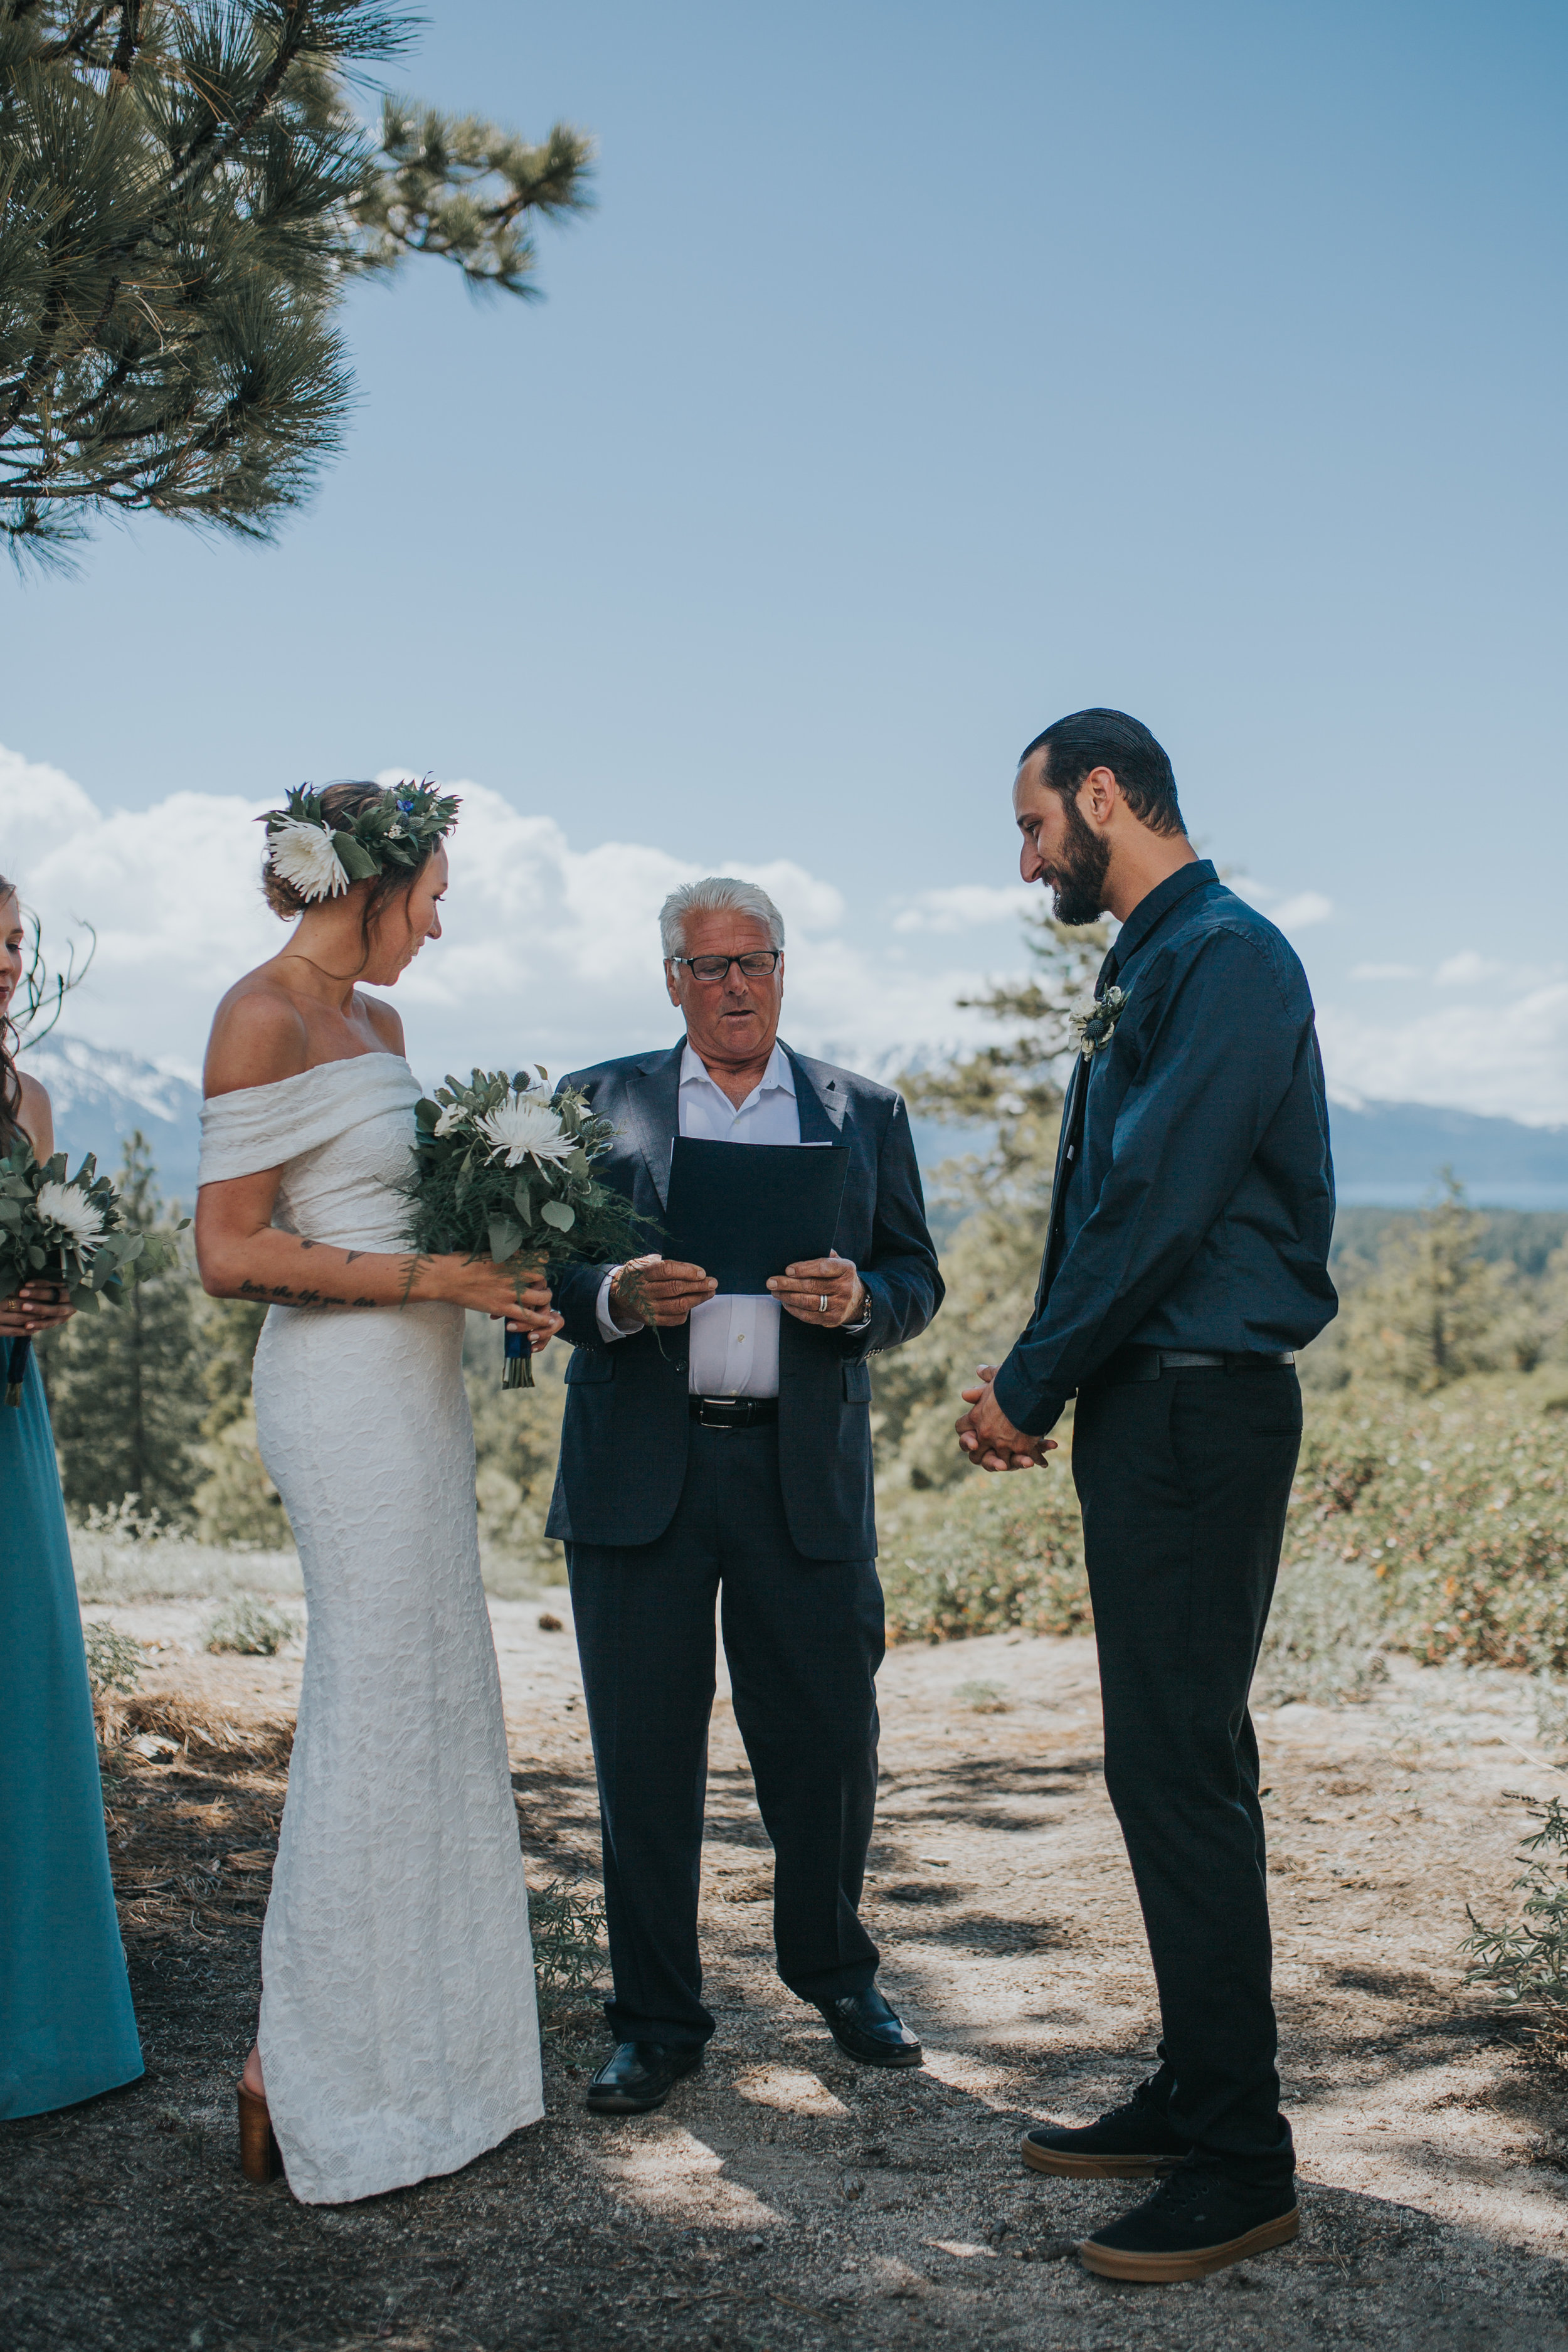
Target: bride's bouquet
505, 1170
70, 1231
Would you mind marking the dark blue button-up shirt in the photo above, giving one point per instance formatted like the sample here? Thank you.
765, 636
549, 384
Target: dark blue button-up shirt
1198, 1210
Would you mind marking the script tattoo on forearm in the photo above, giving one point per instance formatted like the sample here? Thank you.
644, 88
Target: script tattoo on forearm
285, 1297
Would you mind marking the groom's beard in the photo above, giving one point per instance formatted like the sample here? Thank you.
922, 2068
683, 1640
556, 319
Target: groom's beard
1077, 879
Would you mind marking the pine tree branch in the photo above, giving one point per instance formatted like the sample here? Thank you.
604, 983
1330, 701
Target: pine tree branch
75, 43
183, 192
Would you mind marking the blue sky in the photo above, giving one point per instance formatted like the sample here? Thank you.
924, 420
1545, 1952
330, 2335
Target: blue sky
925, 373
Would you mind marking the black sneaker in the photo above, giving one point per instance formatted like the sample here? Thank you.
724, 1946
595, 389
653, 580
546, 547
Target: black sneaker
1133, 2142
1199, 2220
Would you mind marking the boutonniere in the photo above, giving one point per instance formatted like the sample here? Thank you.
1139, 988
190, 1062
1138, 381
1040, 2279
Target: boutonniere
1094, 1020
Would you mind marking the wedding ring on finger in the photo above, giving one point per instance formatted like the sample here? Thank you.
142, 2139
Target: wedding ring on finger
822, 1303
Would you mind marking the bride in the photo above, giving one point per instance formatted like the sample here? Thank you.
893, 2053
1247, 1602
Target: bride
398, 2036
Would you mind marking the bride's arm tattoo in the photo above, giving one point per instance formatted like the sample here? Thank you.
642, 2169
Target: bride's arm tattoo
282, 1293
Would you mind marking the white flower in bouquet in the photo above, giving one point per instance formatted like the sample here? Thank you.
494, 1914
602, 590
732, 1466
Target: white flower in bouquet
451, 1119
65, 1206
529, 1130
303, 855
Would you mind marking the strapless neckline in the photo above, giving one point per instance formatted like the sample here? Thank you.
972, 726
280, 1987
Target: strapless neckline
298, 1077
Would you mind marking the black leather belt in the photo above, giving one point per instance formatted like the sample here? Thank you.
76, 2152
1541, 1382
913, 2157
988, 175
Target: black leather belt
732, 1412
1148, 1364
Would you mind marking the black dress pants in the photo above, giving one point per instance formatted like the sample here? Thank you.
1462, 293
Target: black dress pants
804, 1639
1183, 1482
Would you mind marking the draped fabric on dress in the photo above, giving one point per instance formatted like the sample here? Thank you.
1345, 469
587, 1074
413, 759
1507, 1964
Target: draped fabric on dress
398, 2033
67, 2028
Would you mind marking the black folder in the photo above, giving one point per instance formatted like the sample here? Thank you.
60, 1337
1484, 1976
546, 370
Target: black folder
745, 1210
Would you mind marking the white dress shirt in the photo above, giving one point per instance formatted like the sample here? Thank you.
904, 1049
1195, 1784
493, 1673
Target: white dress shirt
734, 1340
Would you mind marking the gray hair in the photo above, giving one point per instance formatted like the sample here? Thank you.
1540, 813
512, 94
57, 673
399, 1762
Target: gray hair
716, 893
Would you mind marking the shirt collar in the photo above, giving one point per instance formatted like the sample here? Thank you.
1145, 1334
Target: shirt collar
1154, 909
777, 1079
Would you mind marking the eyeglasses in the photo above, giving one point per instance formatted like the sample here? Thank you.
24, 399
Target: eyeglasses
759, 965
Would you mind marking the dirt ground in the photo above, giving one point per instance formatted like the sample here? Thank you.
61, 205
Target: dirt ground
786, 2197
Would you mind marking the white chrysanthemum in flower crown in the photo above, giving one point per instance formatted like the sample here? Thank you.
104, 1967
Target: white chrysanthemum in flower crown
528, 1130
68, 1208
302, 855
384, 829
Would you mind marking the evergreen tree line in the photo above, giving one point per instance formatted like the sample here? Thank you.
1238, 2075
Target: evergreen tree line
151, 1400
1426, 1299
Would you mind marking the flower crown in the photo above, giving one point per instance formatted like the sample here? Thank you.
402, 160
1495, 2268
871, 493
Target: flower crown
320, 857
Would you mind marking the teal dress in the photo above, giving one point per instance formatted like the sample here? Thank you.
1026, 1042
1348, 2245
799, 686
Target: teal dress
67, 2026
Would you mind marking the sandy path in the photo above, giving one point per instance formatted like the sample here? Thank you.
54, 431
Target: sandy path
787, 2197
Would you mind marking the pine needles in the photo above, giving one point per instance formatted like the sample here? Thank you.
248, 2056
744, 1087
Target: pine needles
184, 192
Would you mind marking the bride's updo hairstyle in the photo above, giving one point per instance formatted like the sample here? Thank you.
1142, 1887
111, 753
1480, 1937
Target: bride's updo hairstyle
324, 843
339, 803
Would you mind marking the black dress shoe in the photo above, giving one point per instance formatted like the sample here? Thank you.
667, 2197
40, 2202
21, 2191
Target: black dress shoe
1199, 2220
639, 2077
865, 2028
1133, 2142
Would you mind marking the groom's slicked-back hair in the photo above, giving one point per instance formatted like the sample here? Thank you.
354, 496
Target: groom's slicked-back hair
1087, 740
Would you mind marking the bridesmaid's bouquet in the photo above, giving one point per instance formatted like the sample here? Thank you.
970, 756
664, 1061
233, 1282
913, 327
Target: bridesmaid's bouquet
70, 1231
504, 1169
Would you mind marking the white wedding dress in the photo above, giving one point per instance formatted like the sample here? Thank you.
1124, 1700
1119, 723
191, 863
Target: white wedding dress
398, 2036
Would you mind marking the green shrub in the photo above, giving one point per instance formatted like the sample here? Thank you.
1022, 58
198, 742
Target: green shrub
115, 1660
568, 1930
999, 1554
1434, 1525
1455, 1507
1529, 1962
251, 1628
237, 1505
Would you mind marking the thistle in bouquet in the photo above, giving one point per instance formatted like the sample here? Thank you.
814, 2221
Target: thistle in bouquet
503, 1168
70, 1231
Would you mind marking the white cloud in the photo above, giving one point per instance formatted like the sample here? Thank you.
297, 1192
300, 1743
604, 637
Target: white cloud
1385, 972
1506, 1060
1296, 910
1463, 970
551, 954
966, 907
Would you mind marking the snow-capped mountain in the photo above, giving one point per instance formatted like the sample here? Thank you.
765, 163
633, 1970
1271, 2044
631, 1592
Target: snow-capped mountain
1386, 1153
100, 1096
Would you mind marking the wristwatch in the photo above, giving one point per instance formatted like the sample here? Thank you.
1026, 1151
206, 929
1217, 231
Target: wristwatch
863, 1320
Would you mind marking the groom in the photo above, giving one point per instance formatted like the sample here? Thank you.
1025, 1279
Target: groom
727, 1455
1185, 1259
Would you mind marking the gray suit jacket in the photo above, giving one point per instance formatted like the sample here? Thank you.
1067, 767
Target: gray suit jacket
623, 1447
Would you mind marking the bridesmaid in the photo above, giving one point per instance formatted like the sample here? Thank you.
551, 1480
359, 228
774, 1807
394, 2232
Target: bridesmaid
67, 2027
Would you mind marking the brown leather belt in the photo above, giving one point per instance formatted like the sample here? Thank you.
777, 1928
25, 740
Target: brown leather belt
732, 1412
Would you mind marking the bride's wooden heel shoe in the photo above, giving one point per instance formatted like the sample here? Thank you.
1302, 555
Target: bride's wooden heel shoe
259, 2156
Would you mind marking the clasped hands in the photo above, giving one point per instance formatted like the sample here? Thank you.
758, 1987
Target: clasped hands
989, 1438
821, 1291
33, 1308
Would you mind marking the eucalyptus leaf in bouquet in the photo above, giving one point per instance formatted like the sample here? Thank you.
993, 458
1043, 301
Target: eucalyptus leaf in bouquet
504, 1169
70, 1231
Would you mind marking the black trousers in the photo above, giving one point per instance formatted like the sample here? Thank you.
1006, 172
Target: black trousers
1183, 1482
804, 1639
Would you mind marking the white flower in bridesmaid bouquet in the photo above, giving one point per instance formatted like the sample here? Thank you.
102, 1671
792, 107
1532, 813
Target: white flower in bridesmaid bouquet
528, 1130
452, 1119
68, 1208
304, 855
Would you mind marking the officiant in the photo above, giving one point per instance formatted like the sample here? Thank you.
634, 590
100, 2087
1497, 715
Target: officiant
726, 1455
